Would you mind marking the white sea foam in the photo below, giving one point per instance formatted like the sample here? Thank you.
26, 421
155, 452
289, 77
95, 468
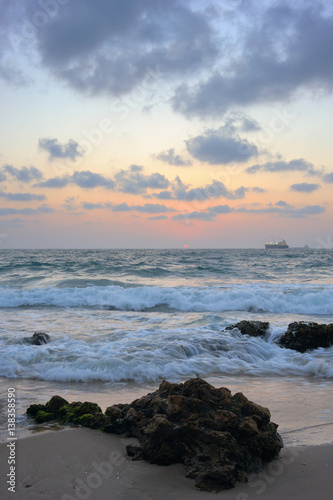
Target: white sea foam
148, 356
298, 299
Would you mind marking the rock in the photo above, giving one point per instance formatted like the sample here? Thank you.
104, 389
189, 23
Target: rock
302, 336
252, 328
86, 414
43, 416
219, 438
38, 338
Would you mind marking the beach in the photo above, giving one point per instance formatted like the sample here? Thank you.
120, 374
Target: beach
84, 463
121, 321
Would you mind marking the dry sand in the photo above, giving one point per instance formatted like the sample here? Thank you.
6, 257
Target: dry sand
86, 464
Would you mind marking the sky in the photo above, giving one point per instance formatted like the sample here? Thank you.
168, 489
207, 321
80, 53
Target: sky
165, 123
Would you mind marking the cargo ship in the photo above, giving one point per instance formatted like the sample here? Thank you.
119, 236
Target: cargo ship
275, 244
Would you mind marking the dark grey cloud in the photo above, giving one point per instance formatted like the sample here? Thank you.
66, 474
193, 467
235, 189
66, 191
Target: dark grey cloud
22, 196
23, 174
109, 46
135, 181
257, 189
298, 165
304, 187
173, 159
56, 150
285, 48
328, 177
218, 147
43, 209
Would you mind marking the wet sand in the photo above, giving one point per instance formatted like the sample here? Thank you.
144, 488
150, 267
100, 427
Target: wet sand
87, 464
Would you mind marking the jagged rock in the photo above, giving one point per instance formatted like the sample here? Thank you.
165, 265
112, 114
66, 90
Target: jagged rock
302, 336
38, 338
252, 328
219, 438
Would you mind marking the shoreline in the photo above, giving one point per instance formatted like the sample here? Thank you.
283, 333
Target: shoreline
83, 463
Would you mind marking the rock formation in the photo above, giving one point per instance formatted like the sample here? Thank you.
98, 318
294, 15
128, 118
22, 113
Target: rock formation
302, 336
252, 328
218, 437
38, 338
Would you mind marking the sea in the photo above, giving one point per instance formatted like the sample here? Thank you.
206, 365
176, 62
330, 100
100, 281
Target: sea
121, 321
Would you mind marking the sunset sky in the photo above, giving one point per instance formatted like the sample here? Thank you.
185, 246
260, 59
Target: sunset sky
165, 123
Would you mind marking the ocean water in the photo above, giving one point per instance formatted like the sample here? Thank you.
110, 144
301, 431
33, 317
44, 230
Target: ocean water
121, 321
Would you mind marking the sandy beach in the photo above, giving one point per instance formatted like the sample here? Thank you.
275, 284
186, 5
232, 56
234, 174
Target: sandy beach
87, 464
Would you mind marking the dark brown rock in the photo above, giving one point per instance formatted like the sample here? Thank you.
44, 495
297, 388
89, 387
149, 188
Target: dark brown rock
252, 328
219, 438
302, 336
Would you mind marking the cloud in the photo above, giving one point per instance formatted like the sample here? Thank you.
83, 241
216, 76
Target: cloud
257, 189
299, 164
328, 177
218, 147
89, 180
23, 174
151, 208
43, 209
284, 209
304, 187
158, 217
215, 189
92, 206
54, 182
111, 47
173, 159
134, 181
280, 49
281, 208
55, 149
22, 196
84, 179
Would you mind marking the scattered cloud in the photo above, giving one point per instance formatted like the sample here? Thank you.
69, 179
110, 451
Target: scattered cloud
328, 177
151, 208
23, 174
22, 196
55, 149
219, 147
79, 47
158, 217
89, 180
134, 181
43, 209
54, 182
173, 159
299, 165
280, 208
304, 187
281, 49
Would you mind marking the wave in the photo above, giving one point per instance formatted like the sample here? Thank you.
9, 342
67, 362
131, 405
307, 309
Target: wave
298, 299
147, 356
